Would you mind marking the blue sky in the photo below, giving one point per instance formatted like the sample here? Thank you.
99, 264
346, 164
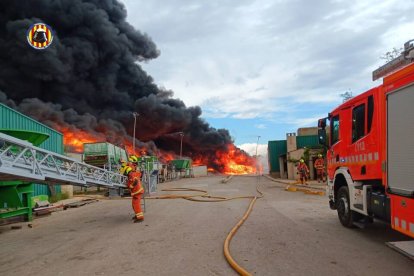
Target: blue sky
268, 67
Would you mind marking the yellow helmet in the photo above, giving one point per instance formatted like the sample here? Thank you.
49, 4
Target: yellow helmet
133, 159
302, 161
319, 155
125, 170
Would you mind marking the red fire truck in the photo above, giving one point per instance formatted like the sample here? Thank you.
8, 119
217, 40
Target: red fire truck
370, 150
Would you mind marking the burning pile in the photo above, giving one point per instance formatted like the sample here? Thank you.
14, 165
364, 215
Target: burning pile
87, 83
231, 160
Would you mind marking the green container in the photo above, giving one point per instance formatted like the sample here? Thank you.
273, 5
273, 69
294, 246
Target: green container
275, 150
12, 120
16, 123
103, 153
36, 138
181, 163
102, 148
148, 162
147, 158
41, 189
120, 154
308, 141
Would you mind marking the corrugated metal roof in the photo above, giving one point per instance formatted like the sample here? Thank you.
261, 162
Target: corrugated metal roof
5, 108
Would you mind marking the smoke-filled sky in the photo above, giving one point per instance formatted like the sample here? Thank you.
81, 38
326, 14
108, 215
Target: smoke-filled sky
268, 67
217, 70
90, 79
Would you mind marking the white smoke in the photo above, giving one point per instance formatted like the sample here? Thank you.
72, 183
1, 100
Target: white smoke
250, 148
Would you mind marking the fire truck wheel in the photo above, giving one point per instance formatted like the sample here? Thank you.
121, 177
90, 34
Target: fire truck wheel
345, 214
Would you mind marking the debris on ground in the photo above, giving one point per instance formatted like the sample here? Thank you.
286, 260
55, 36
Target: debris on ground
47, 210
79, 203
42, 204
16, 227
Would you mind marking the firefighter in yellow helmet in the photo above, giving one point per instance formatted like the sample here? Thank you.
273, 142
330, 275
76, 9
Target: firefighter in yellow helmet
133, 162
133, 159
135, 187
123, 167
303, 171
320, 168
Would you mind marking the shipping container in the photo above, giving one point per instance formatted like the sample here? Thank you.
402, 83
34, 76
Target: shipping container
12, 121
275, 150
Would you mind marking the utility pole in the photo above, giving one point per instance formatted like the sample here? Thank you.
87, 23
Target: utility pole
135, 114
181, 144
257, 145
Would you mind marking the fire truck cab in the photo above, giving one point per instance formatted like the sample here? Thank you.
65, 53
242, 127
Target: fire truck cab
370, 150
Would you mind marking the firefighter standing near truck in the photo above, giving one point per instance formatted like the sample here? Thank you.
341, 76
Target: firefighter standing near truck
134, 185
320, 168
303, 171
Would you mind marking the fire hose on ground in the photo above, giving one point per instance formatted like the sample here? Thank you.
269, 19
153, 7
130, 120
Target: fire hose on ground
203, 196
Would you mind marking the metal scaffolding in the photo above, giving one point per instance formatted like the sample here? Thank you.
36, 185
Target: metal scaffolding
20, 160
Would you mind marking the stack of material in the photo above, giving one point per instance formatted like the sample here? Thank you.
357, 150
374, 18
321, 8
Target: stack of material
42, 208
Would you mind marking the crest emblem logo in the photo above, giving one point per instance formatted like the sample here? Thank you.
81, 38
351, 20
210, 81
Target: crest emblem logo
40, 36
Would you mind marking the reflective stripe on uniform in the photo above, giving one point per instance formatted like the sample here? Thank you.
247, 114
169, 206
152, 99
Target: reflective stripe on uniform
139, 215
137, 192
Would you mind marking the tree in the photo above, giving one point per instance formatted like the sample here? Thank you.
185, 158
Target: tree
393, 54
346, 96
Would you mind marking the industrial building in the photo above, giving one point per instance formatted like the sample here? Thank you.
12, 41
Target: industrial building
284, 154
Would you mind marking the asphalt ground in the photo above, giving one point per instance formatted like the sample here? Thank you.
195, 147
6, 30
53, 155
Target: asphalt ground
288, 233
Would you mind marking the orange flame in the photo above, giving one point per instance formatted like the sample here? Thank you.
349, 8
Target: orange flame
237, 162
229, 161
75, 139
130, 149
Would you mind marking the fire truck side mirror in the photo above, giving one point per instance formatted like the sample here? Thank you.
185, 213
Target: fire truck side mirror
322, 123
322, 136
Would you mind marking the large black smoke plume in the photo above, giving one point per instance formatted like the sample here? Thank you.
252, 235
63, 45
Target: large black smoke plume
89, 77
